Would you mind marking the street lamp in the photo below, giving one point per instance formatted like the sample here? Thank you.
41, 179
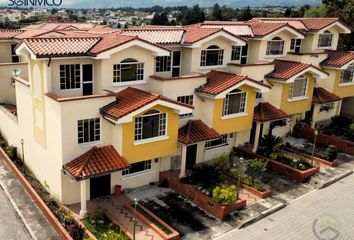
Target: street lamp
23, 157
240, 170
313, 148
134, 218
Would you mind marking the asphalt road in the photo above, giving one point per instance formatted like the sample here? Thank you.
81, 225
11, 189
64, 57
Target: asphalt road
11, 226
326, 214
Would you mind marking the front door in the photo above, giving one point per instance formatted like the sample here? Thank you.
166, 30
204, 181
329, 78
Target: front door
191, 156
87, 79
100, 186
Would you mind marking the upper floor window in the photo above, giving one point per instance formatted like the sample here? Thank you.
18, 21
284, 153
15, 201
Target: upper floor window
138, 167
325, 39
222, 141
275, 47
295, 45
212, 56
89, 130
70, 76
15, 58
235, 102
239, 54
128, 70
277, 123
163, 64
150, 125
188, 99
298, 88
347, 75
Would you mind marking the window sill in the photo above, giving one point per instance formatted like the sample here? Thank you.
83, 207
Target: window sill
297, 99
280, 127
150, 140
211, 67
123, 84
274, 56
234, 115
219, 146
327, 47
346, 84
137, 174
89, 144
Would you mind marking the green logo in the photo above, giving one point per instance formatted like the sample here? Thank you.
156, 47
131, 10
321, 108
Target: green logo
326, 227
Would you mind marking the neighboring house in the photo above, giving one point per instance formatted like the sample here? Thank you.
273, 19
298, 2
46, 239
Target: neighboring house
98, 107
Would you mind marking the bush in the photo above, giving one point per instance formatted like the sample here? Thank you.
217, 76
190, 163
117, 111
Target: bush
341, 121
76, 231
11, 151
268, 142
222, 161
255, 168
224, 195
331, 152
205, 176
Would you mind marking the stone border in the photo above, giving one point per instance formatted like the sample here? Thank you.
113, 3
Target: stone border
36, 198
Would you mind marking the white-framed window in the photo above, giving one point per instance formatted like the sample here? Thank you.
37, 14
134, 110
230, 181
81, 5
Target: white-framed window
163, 64
325, 39
259, 97
326, 107
235, 102
298, 88
347, 75
138, 167
222, 141
188, 99
89, 130
295, 45
128, 70
236, 53
70, 76
150, 125
275, 47
278, 123
212, 56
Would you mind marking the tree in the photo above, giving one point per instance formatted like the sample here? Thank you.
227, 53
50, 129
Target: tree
54, 11
255, 168
216, 13
245, 14
287, 12
160, 19
316, 12
193, 15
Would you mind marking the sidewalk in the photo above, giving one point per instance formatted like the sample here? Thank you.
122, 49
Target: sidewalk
35, 222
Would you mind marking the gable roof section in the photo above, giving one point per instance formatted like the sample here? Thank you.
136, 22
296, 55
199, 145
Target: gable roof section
265, 111
156, 35
97, 161
9, 33
338, 58
321, 95
218, 82
196, 131
236, 28
261, 28
131, 99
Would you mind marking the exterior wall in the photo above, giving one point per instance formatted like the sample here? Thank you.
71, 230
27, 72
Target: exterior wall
256, 72
348, 106
138, 152
324, 116
314, 59
204, 110
309, 44
329, 82
274, 95
5, 52
342, 90
277, 131
234, 124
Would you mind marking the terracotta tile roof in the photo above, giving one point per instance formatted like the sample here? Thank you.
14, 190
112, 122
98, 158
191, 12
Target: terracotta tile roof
321, 95
218, 81
161, 36
110, 41
338, 58
284, 69
261, 28
236, 28
97, 161
65, 26
194, 34
132, 99
265, 111
196, 131
45, 47
9, 33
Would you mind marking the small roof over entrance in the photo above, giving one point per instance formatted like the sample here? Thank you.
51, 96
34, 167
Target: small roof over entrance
265, 112
97, 161
196, 131
321, 95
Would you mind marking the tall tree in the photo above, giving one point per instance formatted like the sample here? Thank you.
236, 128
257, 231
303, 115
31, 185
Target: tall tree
193, 15
216, 13
160, 19
245, 14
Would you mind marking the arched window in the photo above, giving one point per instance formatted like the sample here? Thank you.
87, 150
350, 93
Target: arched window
275, 47
150, 125
298, 89
325, 39
128, 70
212, 56
235, 102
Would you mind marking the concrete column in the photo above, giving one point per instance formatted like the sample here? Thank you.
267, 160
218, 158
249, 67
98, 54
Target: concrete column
339, 107
316, 111
256, 137
183, 161
83, 199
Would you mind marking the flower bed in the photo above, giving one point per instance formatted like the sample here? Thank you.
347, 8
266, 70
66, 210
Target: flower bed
317, 159
281, 168
149, 218
202, 200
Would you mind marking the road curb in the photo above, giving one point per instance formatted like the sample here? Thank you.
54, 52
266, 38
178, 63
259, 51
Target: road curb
336, 179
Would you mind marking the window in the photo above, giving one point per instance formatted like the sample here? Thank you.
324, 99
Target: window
212, 56
187, 100
298, 88
275, 47
235, 102
325, 39
163, 64
295, 45
277, 123
70, 76
89, 130
15, 57
138, 168
347, 75
236, 53
128, 70
327, 107
259, 97
222, 141
152, 124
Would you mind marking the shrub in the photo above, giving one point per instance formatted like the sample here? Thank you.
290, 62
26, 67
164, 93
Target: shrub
331, 152
222, 161
340, 121
224, 195
268, 142
255, 168
76, 231
11, 151
206, 176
